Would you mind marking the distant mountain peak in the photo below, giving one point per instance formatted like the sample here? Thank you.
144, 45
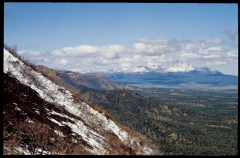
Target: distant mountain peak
179, 66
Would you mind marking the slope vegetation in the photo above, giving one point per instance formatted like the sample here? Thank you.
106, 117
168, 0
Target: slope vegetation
41, 117
201, 126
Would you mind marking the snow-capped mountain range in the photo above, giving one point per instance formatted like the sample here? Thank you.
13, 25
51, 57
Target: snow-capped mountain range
177, 66
135, 69
177, 74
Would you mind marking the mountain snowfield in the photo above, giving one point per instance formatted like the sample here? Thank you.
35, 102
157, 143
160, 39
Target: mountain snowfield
179, 66
53, 93
143, 69
175, 67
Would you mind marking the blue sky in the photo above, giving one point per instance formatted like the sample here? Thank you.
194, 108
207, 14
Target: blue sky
101, 36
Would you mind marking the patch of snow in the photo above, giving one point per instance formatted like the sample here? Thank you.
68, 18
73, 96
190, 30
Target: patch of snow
17, 108
59, 133
212, 70
198, 69
25, 151
29, 120
55, 121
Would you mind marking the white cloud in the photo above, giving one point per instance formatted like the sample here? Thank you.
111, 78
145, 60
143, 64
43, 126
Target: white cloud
76, 51
140, 53
216, 63
217, 41
30, 53
233, 36
215, 49
157, 60
62, 62
125, 65
105, 62
232, 57
46, 60
136, 57
233, 53
57, 53
213, 56
209, 41
110, 51
152, 48
188, 55
88, 61
127, 60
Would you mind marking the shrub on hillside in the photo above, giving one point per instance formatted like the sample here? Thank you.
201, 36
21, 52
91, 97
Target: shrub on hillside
13, 51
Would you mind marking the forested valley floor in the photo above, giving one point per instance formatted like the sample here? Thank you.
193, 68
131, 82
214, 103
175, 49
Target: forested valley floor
179, 122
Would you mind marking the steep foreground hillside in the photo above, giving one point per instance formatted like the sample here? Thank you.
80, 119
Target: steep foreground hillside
41, 117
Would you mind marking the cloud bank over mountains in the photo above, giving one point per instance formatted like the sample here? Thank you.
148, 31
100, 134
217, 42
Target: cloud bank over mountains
142, 52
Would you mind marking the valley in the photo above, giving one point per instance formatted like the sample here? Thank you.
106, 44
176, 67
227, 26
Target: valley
180, 122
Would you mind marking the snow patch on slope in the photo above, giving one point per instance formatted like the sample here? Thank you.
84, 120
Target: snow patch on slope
52, 93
